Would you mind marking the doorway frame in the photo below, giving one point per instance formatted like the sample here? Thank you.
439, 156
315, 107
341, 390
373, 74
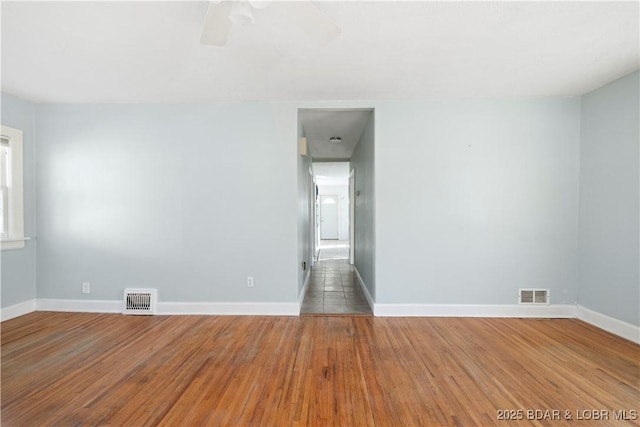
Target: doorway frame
352, 216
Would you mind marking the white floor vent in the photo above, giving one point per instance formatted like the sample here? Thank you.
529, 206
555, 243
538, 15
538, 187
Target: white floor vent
139, 301
533, 296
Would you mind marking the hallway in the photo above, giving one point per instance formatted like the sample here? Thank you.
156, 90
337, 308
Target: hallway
334, 289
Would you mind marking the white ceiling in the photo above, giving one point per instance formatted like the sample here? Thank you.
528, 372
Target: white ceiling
331, 173
150, 51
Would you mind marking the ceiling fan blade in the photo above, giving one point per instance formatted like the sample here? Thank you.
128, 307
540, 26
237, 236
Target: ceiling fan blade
313, 21
259, 4
216, 25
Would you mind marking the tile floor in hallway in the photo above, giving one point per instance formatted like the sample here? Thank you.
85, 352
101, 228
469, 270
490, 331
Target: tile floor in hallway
334, 289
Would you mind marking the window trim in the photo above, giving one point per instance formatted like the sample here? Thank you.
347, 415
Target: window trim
16, 237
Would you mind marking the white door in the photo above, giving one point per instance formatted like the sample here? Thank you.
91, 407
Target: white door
329, 217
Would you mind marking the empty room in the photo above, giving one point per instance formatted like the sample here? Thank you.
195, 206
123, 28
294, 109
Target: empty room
320, 213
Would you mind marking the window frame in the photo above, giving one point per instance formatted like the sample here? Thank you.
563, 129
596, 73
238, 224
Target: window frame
15, 238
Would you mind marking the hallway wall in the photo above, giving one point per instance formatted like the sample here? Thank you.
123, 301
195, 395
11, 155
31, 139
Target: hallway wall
363, 163
305, 239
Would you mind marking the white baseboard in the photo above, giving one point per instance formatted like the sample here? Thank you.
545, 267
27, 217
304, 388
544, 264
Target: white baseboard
17, 310
175, 308
230, 308
364, 288
609, 324
474, 310
79, 305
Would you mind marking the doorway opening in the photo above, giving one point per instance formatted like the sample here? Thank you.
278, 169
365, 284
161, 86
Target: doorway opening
329, 138
333, 206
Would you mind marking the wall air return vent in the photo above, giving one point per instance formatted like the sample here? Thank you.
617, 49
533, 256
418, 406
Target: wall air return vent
533, 296
139, 301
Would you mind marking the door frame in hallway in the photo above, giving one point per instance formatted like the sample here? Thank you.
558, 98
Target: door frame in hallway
352, 215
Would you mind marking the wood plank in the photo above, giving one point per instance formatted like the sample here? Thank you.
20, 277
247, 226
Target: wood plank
109, 369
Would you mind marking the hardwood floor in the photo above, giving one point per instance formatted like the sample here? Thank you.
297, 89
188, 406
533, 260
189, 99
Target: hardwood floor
107, 369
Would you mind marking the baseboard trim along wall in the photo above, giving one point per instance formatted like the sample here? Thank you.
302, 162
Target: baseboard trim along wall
474, 310
230, 308
602, 321
176, 308
364, 288
79, 305
17, 310
609, 324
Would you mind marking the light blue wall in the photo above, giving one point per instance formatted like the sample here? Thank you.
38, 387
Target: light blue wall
188, 199
18, 267
363, 164
609, 192
475, 199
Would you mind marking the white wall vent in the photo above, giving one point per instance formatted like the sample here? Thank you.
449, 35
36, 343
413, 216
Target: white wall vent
139, 301
533, 296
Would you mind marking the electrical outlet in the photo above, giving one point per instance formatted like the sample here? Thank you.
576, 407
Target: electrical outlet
86, 287
250, 281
